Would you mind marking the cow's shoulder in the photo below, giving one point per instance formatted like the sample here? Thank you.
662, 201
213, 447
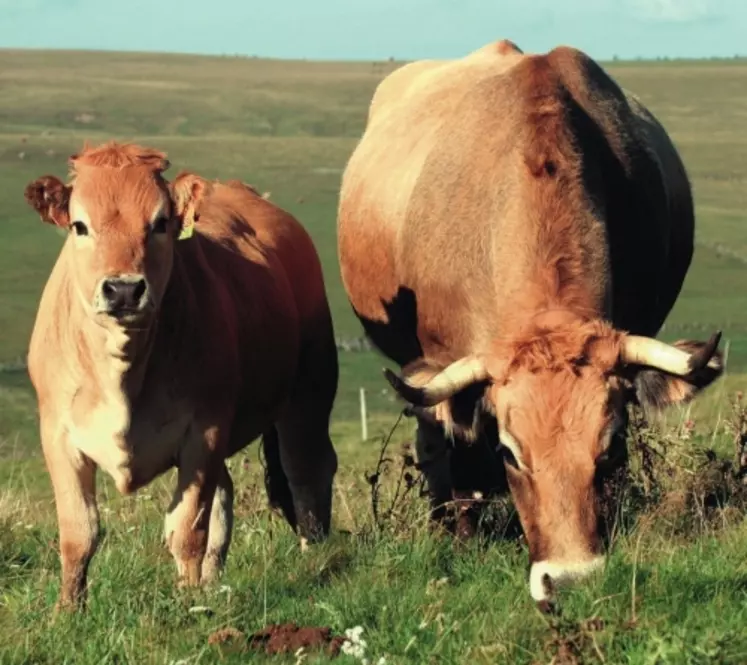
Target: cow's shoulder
398, 86
253, 251
415, 80
238, 216
54, 340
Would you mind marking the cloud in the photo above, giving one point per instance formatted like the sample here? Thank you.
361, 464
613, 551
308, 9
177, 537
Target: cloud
671, 11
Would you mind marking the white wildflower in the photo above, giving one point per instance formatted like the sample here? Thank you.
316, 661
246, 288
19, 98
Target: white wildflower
353, 645
354, 650
354, 634
199, 609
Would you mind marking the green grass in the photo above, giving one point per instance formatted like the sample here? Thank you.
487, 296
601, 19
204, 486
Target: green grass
664, 597
667, 595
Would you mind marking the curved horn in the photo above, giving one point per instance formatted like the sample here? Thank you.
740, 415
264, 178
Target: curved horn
655, 353
446, 383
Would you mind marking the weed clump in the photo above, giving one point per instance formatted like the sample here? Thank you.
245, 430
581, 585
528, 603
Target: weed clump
670, 475
677, 480
407, 480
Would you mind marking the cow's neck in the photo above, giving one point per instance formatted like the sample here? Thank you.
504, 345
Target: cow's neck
119, 357
566, 258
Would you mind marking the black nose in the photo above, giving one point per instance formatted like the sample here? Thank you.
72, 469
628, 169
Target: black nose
123, 295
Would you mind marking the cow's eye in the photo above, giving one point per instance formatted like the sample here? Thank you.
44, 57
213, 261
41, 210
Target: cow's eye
160, 225
79, 228
509, 448
605, 457
508, 457
613, 442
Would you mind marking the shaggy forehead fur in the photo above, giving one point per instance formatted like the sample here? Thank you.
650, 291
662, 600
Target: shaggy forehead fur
118, 156
116, 181
557, 341
543, 411
554, 387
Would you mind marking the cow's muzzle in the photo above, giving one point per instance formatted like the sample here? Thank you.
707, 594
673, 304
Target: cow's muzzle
122, 297
546, 576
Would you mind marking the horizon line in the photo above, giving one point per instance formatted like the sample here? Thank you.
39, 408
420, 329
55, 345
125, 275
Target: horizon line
354, 60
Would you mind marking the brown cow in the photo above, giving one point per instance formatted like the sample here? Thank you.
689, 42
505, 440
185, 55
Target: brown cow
151, 352
513, 229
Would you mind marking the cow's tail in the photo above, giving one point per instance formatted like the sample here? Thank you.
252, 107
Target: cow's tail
276, 482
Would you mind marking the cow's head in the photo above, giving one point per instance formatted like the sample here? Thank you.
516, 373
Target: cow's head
559, 392
124, 220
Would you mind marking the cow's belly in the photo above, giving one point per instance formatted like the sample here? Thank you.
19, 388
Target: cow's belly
132, 452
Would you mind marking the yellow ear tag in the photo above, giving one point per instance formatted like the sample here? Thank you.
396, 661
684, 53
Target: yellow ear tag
188, 227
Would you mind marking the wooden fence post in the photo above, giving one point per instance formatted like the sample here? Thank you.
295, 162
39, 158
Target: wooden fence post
364, 415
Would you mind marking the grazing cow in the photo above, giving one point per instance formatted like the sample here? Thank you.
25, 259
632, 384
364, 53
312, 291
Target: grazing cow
181, 321
513, 230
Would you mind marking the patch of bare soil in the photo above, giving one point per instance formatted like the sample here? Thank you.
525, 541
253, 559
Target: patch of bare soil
286, 638
289, 638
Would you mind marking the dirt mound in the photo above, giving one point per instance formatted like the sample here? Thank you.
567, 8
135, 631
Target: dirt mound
289, 638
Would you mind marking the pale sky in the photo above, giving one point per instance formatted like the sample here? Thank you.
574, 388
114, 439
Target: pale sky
377, 29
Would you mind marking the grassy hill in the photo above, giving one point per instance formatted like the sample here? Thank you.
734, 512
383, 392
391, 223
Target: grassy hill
288, 128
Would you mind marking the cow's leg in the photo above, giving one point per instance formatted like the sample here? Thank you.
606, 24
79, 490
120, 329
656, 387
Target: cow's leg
476, 470
74, 481
189, 515
307, 456
221, 526
434, 459
310, 463
276, 482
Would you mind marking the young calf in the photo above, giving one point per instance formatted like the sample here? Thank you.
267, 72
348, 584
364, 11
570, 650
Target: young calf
180, 322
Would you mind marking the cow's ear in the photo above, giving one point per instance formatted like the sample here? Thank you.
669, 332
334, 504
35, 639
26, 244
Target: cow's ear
50, 197
187, 190
460, 415
657, 390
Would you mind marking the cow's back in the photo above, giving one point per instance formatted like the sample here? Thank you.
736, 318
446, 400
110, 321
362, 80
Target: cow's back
237, 218
269, 266
648, 205
409, 114
387, 183
433, 239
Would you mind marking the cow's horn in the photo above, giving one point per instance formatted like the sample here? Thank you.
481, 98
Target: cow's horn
446, 383
655, 353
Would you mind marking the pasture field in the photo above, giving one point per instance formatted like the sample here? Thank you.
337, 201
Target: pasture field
675, 589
